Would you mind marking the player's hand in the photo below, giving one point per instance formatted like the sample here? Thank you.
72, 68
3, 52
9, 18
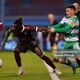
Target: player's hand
2, 45
52, 30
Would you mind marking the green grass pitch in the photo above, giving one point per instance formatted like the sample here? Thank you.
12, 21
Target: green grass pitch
34, 68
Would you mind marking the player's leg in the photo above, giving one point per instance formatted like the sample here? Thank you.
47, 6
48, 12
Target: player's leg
18, 49
77, 57
18, 61
66, 61
77, 47
63, 59
38, 51
17, 57
71, 61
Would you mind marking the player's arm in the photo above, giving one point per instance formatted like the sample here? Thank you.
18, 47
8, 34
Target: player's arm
29, 28
34, 28
71, 24
56, 26
6, 36
64, 29
60, 24
43, 29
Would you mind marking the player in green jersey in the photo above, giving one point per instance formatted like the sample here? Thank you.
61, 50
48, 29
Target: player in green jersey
69, 25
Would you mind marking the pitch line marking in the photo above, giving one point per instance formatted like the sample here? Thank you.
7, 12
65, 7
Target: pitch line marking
50, 70
53, 75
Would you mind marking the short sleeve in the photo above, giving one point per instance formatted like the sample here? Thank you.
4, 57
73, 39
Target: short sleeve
62, 21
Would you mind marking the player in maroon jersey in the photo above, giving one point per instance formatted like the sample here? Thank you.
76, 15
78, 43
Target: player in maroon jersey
26, 41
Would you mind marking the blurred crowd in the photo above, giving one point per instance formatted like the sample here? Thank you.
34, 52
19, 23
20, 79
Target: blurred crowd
54, 41
47, 41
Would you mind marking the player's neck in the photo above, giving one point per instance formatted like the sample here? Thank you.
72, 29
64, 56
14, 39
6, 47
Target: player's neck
72, 16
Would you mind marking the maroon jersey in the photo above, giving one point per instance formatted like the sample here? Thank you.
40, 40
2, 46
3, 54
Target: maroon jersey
1, 26
23, 35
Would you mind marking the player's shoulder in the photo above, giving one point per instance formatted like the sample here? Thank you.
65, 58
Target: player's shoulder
11, 29
74, 19
64, 18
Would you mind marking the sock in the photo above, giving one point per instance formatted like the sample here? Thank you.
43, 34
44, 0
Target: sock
48, 61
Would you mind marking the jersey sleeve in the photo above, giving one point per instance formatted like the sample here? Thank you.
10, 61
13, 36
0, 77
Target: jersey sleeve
62, 21
64, 29
56, 26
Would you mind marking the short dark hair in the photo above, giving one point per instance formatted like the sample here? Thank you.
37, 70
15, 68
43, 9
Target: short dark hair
18, 24
71, 7
18, 21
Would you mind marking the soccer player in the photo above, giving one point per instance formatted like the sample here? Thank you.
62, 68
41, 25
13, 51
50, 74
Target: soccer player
26, 41
71, 30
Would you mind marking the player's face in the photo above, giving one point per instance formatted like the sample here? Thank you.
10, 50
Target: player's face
18, 28
70, 12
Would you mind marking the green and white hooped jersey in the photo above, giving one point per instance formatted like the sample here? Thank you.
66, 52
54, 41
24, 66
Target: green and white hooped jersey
72, 34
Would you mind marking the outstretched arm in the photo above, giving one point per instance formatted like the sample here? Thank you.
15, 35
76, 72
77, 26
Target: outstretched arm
65, 29
35, 28
56, 26
6, 37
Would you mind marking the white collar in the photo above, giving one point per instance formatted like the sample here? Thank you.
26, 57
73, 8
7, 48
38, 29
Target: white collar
23, 28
